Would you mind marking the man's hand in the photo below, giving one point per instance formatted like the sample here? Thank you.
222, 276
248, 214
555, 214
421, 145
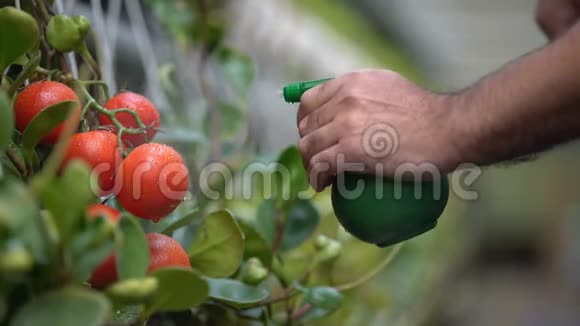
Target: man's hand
378, 120
555, 17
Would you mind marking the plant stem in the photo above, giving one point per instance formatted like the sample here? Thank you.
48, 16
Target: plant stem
213, 105
20, 166
84, 52
388, 259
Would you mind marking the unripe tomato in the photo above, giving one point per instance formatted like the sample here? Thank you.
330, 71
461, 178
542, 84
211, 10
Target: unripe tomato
100, 150
146, 111
37, 97
109, 212
153, 180
164, 252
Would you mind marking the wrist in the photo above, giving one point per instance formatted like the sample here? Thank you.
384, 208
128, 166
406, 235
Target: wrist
462, 129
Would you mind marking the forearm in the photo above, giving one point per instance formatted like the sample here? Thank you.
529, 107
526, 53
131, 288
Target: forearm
528, 106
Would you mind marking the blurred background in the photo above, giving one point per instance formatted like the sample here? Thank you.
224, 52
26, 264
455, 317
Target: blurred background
508, 258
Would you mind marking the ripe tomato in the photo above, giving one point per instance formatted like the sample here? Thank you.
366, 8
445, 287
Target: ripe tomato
109, 212
164, 252
100, 150
146, 111
153, 180
37, 97
105, 273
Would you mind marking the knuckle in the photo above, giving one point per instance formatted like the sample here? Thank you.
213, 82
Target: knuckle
349, 119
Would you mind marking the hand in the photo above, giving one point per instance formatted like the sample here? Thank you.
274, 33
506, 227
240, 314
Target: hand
380, 121
555, 17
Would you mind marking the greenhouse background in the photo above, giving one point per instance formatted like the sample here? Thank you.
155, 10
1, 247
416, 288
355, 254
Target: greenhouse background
507, 258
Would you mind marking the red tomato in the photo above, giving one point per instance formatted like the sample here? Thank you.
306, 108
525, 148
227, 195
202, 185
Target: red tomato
108, 212
100, 150
146, 111
164, 252
153, 179
37, 97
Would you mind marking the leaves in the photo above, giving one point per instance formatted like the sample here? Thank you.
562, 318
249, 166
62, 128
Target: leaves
6, 120
232, 119
68, 307
18, 34
237, 68
218, 247
132, 252
235, 293
323, 297
45, 121
255, 245
324, 301
68, 211
294, 179
181, 222
266, 220
178, 289
302, 220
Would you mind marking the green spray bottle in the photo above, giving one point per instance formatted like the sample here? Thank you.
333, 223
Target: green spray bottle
384, 211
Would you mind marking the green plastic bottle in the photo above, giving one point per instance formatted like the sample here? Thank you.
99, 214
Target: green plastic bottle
382, 214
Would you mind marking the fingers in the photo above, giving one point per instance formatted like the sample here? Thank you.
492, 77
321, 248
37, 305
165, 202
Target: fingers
555, 17
317, 97
322, 168
316, 120
318, 141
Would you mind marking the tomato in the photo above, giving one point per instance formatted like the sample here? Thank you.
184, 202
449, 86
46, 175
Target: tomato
108, 212
153, 180
100, 150
146, 111
164, 252
105, 273
37, 97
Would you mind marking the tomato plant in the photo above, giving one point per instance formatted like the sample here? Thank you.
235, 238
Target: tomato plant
153, 242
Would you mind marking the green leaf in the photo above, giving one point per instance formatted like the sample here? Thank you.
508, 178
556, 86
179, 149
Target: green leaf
6, 120
218, 247
45, 121
18, 34
28, 69
302, 220
237, 68
19, 215
67, 198
181, 222
68, 307
87, 263
291, 160
327, 298
133, 291
132, 252
255, 244
232, 119
266, 220
179, 289
235, 293
16, 205
127, 315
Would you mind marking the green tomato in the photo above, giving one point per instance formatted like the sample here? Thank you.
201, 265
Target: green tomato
253, 272
64, 34
83, 25
405, 210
